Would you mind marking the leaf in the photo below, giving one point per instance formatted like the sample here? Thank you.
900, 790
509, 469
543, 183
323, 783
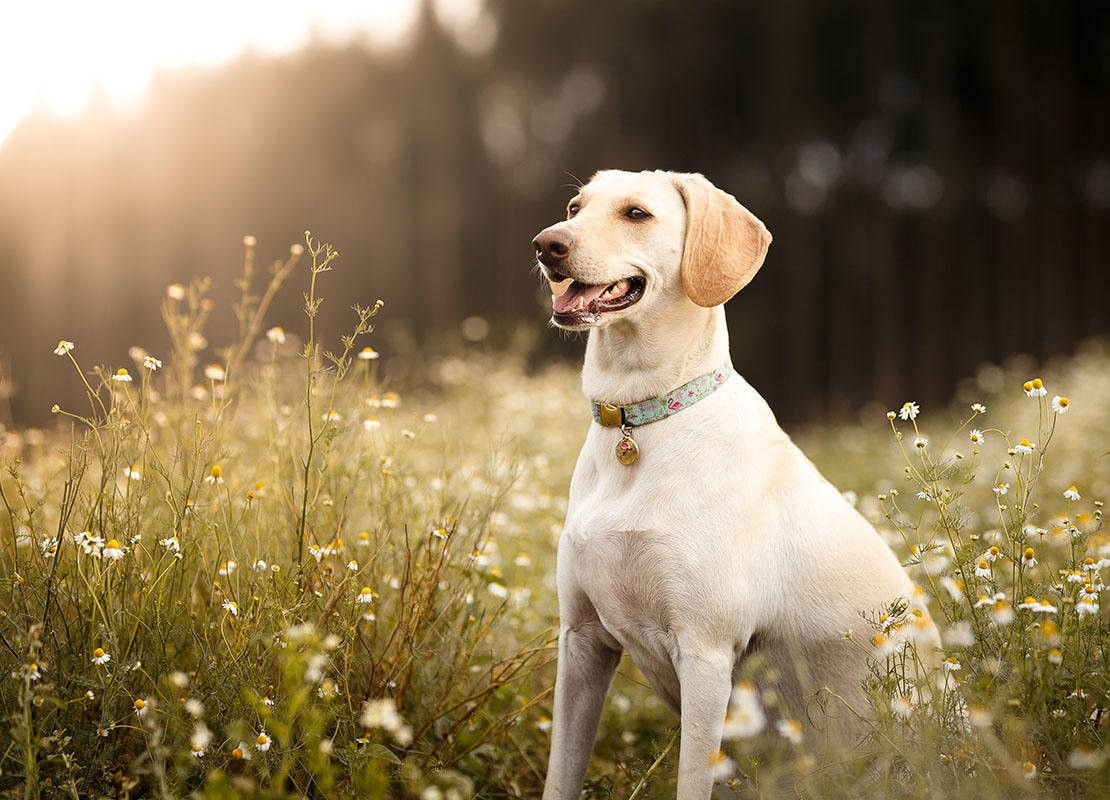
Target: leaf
382, 752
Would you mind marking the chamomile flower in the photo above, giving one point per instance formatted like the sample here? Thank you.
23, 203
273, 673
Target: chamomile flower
352, 566
151, 363
720, 765
1055, 656
790, 729
745, 716
215, 373
368, 354
1086, 606
921, 442
992, 553
140, 706
976, 436
228, 567
371, 424
241, 752
1001, 612
1001, 488
175, 291
121, 376
332, 416
1060, 404
498, 590
909, 410
63, 347
390, 400
100, 657
1071, 493
276, 335
231, 607
215, 475
1029, 770
171, 543
901, 705
1035, 388
113, 550
979, 408
262, 742
1029, 558
1025, 447
952, 664
982, 569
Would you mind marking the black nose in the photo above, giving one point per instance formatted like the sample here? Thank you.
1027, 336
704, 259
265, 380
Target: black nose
552, 246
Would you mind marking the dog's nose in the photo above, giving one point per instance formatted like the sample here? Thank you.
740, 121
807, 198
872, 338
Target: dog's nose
552, 246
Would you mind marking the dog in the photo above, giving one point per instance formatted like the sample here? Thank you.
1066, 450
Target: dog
698, 538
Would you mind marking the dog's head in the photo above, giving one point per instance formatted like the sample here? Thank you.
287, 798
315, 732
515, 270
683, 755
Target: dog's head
634, 241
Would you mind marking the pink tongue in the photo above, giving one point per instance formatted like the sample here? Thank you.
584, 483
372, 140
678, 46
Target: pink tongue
579, 294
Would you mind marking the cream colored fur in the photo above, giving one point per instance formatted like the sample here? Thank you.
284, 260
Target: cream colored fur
723, 539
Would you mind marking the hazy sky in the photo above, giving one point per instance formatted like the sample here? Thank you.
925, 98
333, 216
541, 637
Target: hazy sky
57, 55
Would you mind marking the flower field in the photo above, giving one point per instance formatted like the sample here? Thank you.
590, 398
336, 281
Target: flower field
257, 570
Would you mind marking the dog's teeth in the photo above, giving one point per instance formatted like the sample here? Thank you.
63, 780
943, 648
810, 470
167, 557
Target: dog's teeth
558, 289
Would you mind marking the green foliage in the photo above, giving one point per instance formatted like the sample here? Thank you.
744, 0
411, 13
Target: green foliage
271, 575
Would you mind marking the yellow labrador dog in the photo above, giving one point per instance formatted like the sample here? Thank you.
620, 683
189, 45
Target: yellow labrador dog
697, 535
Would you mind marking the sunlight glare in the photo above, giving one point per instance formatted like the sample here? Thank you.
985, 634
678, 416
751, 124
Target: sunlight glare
59, 55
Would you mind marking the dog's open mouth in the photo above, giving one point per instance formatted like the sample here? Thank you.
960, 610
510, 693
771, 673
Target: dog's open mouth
574, 303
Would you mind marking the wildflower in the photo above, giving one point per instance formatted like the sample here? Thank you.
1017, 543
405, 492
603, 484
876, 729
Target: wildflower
216, 475
241, 752
983, 569
194, 708
262, 743
1060, 404
1029, 770
1055, 656
976, 436
543, 724
992, 553
332, 416
408, 434
1071, 493
100, 657
214, 372
121, 376
901, 705
113, 550
745, 714
1025, 447
979, 716
228, 567
231, 607
89, 543
133, 472
259, 565
1086, 606
910, 410
381, 714
276, 335
31, 671
63, 347
371, 423
140, 707
368, 354
175, 291
924, 494
952, 664
363, 539
390, 400
49, 546
979, 408
151, 363
1000, 488
266, 701
196, 751
315, 551
497, 590
1029, 558
790, 729
1002, 613
720, 765
1040, 606
171, 543
429, 417
352, 566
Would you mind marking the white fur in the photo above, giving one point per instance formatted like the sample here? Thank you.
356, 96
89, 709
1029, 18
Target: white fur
721, 538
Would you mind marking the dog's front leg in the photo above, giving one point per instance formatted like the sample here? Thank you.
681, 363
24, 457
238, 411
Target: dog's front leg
584, 671
706, 679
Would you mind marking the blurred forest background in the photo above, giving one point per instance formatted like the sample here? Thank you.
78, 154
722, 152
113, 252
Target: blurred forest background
936, 177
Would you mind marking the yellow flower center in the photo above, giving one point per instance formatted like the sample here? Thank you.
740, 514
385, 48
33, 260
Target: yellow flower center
140, 704
1038, 383
1026, 443
98, 652
113, 544
1029, 554
217, 471
1027, 386
1062, 402
121, 371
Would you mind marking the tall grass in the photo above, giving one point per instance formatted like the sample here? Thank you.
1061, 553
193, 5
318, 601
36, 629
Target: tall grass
257, 570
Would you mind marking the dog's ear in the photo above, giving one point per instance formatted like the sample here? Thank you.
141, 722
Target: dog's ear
725, 243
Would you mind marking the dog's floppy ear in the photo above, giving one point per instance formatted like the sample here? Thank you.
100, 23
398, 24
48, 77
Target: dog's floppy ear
725, 243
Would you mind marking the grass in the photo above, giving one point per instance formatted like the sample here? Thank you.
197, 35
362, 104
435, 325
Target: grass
259, 571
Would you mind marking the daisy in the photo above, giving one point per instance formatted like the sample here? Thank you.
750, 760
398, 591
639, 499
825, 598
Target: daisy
910, 410
262, 743
1035, 388
231, 607
368, 354
1056, 656
1071, 493
214, 372
352, 566
745, 714
390, 400
901, 705
976, 436
979, 408
1029, 558
1086, 606
1001, 488
1029, 770
113, 550
242, 751
215, 475
228, 567
952, 664
121, 376
63, 347
920, 442
720, 765
151, 363
1060, 404
100, 657
497, 590
1025, 447
332, 416
371, 424
171, 543
992, 553
140, 707
983, 569
1002, 613
790, 729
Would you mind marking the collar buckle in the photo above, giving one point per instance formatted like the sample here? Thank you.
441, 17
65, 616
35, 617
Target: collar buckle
609, 415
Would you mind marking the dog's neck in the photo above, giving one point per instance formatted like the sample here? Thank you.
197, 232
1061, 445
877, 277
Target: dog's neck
628, 362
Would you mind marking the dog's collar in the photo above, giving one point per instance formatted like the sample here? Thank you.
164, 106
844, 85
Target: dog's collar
657, 408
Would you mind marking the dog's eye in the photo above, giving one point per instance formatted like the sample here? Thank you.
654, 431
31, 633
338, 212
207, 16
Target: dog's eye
572, 209
636, 213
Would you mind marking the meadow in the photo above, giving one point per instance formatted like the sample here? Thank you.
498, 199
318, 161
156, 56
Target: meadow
255, 569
